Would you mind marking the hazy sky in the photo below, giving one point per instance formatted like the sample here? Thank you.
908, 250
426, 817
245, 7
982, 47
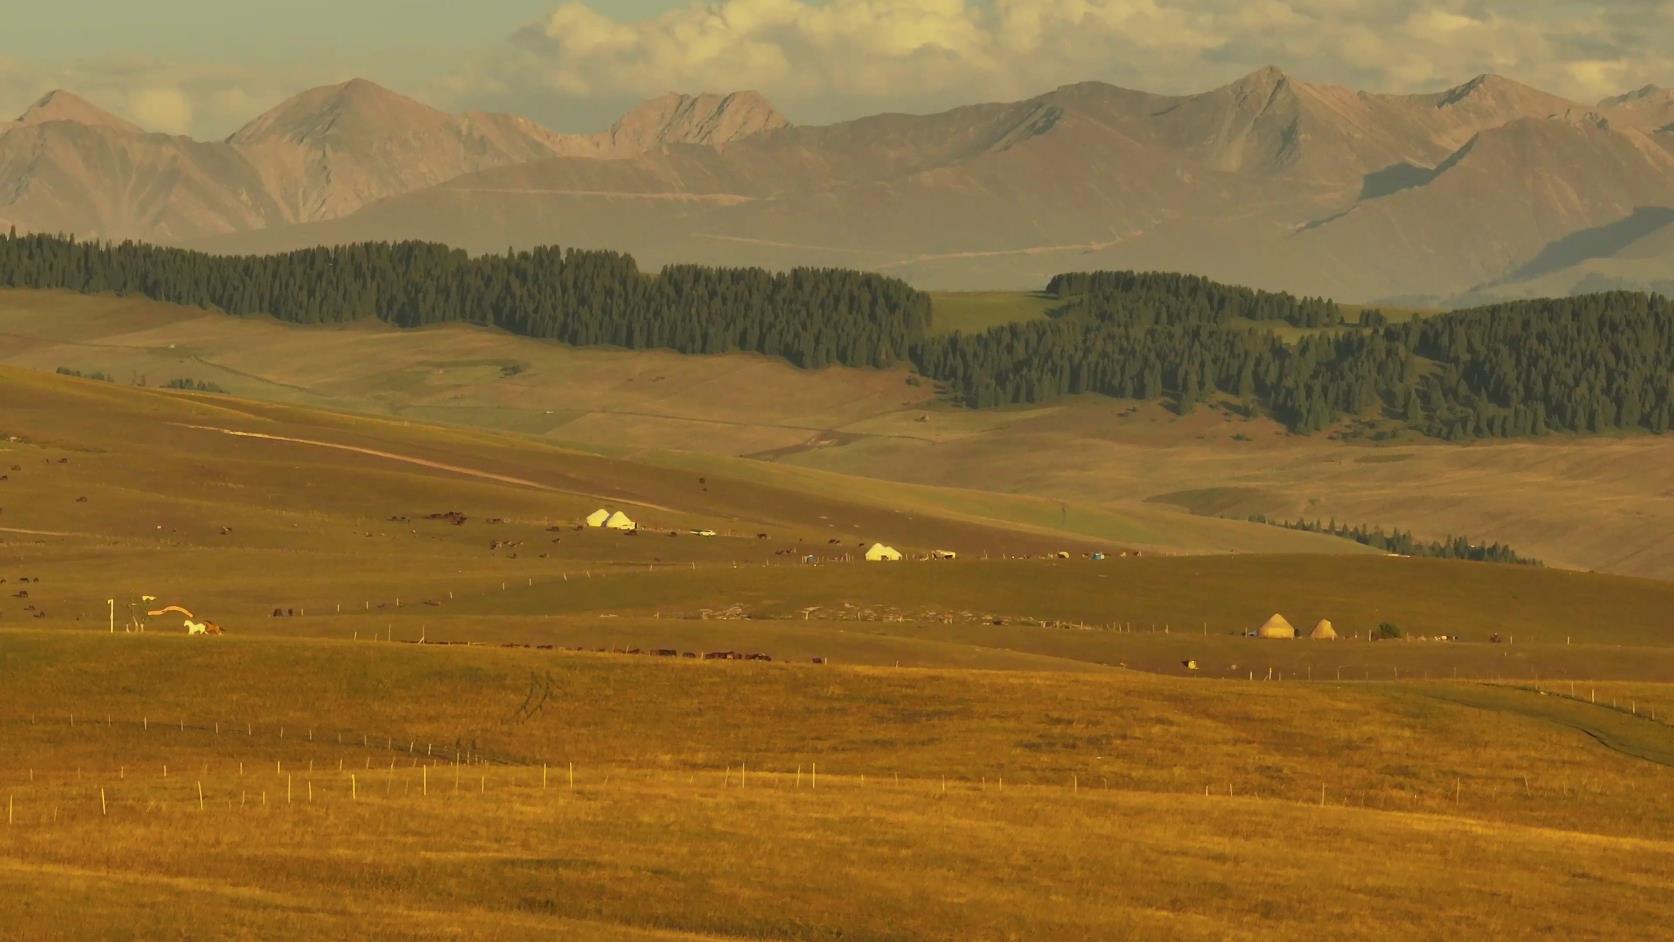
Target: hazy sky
206, 66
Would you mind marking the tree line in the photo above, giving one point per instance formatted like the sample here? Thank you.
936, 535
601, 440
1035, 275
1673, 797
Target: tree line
1586, 364
811, 317
1403, 543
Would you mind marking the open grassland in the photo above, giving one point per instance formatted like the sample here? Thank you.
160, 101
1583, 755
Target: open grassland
973, 312
391, 791
116, 493
1119, 469
987, 748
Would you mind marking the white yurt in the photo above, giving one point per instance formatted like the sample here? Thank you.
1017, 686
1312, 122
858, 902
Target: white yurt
878, 552
598, 517
1276, 627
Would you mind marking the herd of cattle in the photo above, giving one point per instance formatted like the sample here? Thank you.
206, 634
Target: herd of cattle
23, 595
648, 652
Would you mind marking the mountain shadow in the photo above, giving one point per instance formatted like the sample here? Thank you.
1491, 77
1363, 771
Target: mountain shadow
1600, 242
1394, 179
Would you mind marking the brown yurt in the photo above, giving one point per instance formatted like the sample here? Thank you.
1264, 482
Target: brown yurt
1276, 627
1323, 631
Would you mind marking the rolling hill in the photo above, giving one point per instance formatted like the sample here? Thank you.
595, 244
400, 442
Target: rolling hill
1129, 473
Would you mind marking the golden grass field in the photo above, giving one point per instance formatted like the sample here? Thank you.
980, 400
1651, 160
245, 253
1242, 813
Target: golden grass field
1004, 746
1129, 473
727, 801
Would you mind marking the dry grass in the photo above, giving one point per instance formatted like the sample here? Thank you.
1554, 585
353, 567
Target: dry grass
1133, 805
976, 311
1581, 503
1101, 825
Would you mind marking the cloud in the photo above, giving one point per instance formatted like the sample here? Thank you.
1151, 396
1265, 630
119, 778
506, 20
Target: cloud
161, 109
828, 58
206, 100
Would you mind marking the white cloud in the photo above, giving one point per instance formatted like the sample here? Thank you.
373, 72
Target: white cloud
207, 100
161, 109
828, 58
578, 66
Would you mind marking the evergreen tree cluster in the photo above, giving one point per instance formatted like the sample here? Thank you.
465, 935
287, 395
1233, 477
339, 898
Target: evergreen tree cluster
193, 385
1584, 364
807, 316
1171, 349
1405, 544
1165, 298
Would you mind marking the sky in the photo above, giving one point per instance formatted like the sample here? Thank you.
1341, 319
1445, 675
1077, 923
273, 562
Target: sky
204, 67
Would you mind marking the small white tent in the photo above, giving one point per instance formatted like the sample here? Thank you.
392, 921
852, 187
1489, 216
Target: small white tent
1276, 627
598, 517
620, 521
878, 552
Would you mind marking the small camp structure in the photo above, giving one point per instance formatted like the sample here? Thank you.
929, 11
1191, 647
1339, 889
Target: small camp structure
1323, 631
598, 517
878, 552
1276, 627
620, 521
943, 554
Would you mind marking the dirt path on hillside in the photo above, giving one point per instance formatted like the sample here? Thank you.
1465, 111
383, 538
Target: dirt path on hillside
721, 199
40, 532
426, 463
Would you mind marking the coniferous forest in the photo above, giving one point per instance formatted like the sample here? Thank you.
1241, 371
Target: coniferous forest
1588, 364
1403, 543
809, 317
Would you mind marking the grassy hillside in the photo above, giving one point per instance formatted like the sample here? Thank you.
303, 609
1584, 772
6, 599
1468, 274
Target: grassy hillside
875, 803
974, 311
238, 509
1583, 503
1012, 747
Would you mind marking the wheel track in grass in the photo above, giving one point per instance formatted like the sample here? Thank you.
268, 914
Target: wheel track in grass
1655, 742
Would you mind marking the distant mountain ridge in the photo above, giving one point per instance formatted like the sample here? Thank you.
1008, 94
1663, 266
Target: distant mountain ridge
1268, 181
69, 166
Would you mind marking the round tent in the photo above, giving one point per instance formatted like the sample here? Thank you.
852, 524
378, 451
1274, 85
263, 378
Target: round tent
1276, 627
1323, 631
620, 521
598, 517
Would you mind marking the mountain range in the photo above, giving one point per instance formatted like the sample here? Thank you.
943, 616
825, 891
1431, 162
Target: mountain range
1489, 189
